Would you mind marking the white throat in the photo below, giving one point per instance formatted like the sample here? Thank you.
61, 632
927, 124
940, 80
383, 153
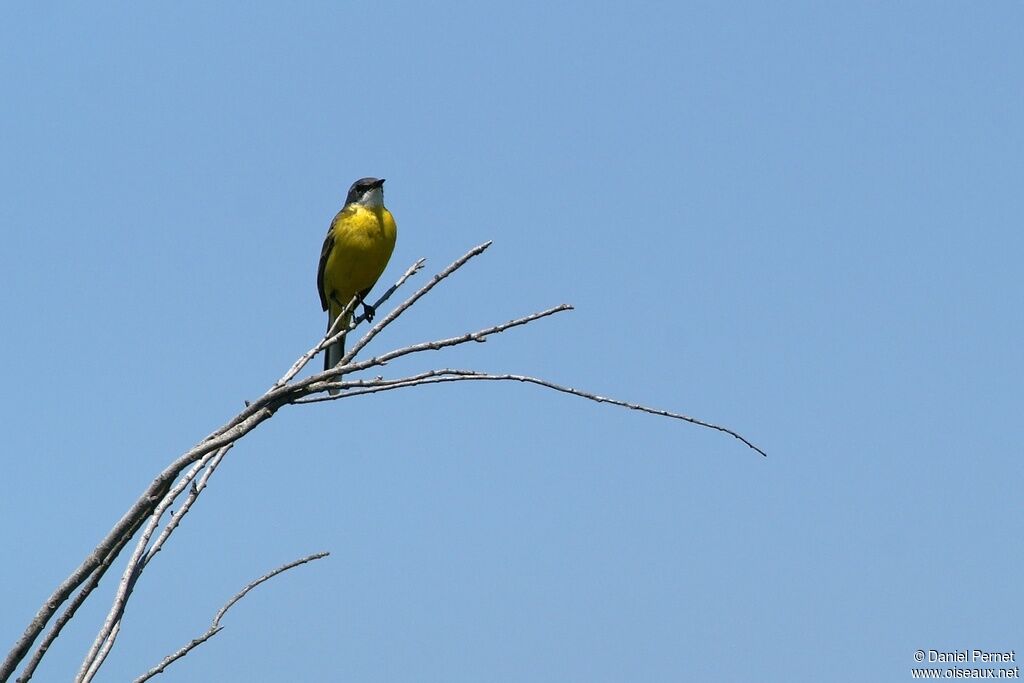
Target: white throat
373, 198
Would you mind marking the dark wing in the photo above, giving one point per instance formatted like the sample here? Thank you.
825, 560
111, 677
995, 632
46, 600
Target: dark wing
324, 253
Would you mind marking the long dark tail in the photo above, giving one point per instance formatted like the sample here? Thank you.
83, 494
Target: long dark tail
334, 353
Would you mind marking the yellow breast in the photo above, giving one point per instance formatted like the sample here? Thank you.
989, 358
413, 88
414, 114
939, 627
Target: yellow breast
363, 241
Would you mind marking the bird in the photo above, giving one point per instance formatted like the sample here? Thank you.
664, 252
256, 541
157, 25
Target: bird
356, 250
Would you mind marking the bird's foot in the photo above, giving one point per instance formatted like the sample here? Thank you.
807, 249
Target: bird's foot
368, 312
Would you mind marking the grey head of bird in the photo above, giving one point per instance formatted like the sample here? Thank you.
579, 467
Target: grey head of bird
368, 192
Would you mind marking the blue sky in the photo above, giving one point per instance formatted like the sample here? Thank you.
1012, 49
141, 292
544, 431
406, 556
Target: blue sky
798, 220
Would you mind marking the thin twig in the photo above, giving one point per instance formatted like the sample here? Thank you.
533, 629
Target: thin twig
371, 386
215, 626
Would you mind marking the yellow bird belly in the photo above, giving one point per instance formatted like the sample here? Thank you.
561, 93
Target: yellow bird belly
363, 241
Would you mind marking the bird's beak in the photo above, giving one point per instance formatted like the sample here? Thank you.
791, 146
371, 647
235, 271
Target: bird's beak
380, 183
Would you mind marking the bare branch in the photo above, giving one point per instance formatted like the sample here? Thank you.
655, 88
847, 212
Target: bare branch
207, 454
215, 626
372, 386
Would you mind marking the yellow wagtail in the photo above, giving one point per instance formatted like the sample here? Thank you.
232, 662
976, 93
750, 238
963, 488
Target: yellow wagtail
355, 253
